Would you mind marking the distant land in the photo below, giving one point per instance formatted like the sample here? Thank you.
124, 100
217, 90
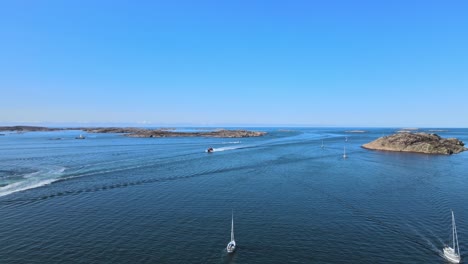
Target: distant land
28, 128
417, 143
355, 131
142, 132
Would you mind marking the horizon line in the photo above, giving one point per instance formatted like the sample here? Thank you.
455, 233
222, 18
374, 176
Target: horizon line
147, 124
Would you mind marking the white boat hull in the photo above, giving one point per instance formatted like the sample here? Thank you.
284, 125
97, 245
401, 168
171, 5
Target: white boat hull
450, 255
231, 247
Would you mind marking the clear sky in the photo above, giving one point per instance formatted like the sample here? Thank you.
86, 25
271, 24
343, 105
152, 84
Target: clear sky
243, 62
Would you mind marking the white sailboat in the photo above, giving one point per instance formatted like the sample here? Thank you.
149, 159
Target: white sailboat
322, 146
231, 246
452, 254
344, 153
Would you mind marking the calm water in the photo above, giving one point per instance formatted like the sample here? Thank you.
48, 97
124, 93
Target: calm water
112, 199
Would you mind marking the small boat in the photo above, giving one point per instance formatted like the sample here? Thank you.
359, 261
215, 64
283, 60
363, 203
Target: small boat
210, 150
80, 137
452, 254
322, 146
344, 153
231, 246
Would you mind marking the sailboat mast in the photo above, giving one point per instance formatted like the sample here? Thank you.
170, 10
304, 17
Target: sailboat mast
455, 237
453, 230
232, 228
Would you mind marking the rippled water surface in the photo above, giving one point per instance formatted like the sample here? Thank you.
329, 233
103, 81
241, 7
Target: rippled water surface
112, 199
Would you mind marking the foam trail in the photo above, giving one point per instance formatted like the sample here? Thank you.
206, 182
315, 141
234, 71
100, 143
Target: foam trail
33, 180
429, 243
273, 142
225, 148
232, 142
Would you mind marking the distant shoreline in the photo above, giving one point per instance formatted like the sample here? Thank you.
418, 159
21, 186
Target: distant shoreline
141, 132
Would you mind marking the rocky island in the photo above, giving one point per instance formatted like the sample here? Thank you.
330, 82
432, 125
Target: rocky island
157, 133
144, 132
28, 128
418, 143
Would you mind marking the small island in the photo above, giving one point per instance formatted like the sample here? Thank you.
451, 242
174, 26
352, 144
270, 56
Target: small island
143, 132
417, 143
157, 133
28, 128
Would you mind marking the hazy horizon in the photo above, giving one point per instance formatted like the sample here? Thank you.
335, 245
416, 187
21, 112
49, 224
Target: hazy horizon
157, 125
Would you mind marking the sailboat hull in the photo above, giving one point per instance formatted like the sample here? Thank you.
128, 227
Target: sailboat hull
450, 255
231, 247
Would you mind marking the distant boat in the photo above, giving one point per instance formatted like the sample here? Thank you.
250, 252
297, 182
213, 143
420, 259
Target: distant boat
231, 246
344, 153
322, 146
80, 137
209, 150
452, 254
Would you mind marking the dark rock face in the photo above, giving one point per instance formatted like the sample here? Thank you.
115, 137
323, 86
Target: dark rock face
417, 142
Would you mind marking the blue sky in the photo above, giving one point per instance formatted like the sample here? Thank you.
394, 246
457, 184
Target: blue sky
317, 63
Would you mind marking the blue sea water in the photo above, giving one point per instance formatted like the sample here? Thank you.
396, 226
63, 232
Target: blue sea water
113, 199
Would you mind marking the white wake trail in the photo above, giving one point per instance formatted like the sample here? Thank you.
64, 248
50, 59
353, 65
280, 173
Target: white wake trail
33, 180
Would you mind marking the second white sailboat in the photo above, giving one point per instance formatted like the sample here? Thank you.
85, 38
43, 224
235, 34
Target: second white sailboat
231, 246
452, 254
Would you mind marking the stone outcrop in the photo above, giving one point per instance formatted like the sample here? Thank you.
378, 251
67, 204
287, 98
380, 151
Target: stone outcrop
418, 143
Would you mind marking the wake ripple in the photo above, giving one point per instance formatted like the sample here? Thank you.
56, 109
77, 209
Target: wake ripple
225, 148
124, 185
36, 179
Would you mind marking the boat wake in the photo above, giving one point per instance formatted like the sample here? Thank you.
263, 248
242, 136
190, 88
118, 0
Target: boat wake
36, 179
429, 240
226, 148
124, 184
232, 142
300, 139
